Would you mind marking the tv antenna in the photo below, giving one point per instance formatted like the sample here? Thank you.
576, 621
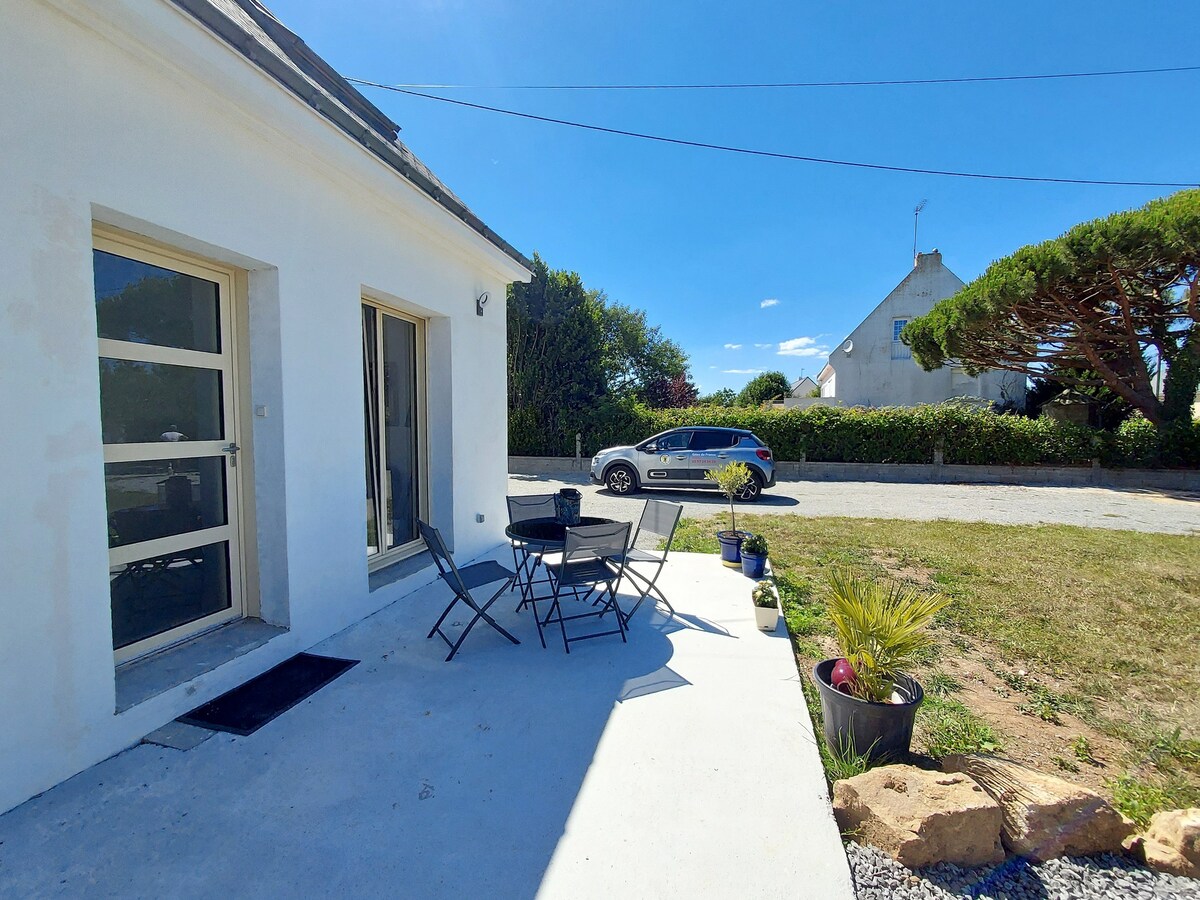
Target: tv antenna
916, 215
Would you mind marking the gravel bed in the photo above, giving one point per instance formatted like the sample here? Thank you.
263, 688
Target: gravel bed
878, 877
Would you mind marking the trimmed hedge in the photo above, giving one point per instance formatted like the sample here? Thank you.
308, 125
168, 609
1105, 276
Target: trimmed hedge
897, 435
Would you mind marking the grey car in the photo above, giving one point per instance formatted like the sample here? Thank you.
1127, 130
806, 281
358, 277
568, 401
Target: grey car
679, 458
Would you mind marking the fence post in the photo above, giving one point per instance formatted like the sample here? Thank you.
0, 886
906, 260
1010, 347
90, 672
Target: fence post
578, 448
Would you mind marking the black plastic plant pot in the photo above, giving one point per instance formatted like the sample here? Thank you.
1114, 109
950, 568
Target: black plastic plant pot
731, 547
878, 731
754, 565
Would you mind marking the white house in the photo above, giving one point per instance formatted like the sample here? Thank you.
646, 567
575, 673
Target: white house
873, 367
241, 354
802, 387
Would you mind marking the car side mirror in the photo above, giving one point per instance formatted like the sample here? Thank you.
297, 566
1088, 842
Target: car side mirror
649, 448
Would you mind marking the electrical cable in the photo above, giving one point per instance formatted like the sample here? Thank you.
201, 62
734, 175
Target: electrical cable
795, 84
769, 153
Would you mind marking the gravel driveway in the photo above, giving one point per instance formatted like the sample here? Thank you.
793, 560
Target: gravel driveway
1156, 511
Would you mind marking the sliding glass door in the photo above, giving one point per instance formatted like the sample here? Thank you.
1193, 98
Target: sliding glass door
393, 392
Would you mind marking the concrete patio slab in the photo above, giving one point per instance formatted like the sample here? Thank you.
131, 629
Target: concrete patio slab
680, 764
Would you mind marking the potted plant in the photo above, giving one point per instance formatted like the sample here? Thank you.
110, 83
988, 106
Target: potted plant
730, 478
766, 606
869, 698
754, 556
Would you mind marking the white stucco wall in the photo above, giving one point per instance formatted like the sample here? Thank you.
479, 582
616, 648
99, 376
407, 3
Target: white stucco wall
868, 376
129, 113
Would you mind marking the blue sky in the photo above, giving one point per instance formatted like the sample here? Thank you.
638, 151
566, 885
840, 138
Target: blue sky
738, 258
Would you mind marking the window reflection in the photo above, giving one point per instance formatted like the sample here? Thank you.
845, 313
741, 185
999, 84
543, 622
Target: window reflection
143, 402
156, 594
146, 304
159, 498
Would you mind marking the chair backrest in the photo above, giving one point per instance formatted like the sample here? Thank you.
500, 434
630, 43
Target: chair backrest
530, 506
437, 549
659, 518
609, 540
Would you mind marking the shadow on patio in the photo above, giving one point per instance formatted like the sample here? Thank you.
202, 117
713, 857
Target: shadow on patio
680, 764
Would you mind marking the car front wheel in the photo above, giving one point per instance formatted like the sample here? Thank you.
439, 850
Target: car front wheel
621, 480
753, 489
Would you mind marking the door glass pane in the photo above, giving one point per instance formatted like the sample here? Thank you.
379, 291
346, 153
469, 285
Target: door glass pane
371, 423
146, 304
400, 429
144, 402
159, 498
156, 594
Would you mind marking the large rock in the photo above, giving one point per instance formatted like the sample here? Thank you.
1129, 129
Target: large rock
920, 817
1172, 842
1045, 816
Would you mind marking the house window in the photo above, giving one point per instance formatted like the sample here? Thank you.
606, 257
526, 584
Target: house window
169, 424
394, 416
900, 350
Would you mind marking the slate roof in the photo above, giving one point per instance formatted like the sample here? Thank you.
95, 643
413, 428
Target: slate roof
251, 29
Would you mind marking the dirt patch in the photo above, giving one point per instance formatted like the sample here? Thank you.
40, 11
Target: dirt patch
901, 569
1045, 746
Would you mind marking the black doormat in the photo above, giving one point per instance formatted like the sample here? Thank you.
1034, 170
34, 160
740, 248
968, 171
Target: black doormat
248, 708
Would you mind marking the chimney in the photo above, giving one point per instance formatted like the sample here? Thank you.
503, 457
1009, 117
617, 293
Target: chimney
933, 257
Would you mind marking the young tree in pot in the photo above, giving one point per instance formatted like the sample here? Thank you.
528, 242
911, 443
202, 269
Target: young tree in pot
766, 606
730, 478
754, 556
869, 698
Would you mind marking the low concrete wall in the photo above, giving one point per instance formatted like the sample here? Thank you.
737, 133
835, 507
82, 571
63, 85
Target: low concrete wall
928, 473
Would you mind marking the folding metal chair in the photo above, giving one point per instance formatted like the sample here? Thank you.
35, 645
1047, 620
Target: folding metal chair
461, 581
593, 558
659, 520
521, 508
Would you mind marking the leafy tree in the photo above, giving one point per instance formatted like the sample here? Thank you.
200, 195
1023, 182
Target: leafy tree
577, 362
723, 397
555, 358
764, 387
639, 362
1092, 308
670, 393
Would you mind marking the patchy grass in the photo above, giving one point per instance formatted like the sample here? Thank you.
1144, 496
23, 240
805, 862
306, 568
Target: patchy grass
1091, 632
1141, 798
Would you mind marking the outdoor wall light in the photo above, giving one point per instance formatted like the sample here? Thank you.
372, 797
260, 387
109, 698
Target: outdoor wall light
480, 303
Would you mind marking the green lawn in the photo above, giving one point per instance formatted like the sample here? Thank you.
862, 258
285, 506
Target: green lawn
1095, 624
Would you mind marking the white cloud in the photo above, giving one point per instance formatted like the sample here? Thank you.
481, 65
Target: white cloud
763, 346
733, 346
770, 301
802, 346
742, 371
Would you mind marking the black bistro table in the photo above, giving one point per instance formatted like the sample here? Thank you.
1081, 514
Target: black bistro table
539, 536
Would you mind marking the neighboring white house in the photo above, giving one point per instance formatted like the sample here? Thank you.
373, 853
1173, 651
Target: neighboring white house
241, 354
799, 396
802, 387
873, 367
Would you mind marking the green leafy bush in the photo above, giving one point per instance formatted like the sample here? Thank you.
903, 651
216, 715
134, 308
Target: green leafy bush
756, 544
884, 435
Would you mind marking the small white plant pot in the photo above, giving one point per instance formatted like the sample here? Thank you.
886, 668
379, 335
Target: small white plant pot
766, 617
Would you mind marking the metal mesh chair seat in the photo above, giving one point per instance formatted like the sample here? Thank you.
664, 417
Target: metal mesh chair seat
635, 554
481, 573
582, 571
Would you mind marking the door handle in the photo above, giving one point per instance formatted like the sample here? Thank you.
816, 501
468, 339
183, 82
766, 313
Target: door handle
722, 456
232, 450
681, 456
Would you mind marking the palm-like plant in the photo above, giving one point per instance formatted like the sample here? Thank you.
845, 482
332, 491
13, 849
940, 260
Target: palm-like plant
730, 478
880, 628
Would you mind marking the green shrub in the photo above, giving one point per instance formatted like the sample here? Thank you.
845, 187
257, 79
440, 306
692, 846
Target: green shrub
884, 435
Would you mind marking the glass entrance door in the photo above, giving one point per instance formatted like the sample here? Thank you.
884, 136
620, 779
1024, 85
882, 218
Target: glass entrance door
168, 420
